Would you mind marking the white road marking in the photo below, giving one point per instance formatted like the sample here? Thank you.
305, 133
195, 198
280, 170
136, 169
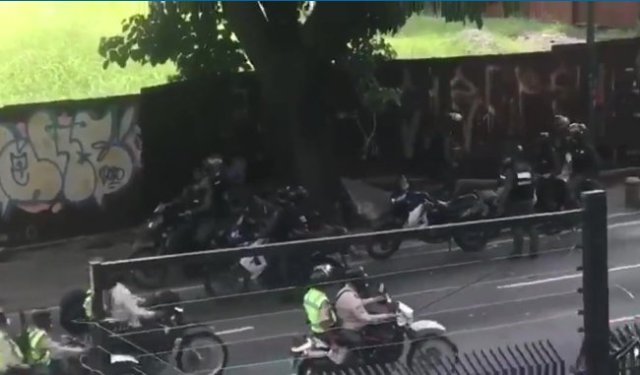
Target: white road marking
624, 319
626, 291
234, 330
501, 302
511, 324
564, 277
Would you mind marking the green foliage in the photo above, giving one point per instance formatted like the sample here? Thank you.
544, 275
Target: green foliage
365, 55
194, 35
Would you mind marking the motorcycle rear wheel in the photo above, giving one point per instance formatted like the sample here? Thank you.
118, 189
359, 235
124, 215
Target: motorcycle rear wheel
211, 341
437, 353
150, 278
383, 250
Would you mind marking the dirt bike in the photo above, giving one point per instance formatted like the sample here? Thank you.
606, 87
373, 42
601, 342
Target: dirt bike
422, 209
423, 340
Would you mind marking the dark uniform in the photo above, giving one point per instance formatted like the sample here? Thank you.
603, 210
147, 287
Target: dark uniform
517, 198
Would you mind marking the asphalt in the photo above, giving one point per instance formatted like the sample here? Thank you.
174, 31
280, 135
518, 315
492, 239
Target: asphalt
485, 299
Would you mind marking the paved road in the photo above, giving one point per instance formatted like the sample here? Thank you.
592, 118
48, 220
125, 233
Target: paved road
484, 299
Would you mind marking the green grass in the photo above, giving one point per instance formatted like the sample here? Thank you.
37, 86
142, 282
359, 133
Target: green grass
48, 50
424, 37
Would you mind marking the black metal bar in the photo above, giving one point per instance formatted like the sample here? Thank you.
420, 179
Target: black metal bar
351, 239
592, 67
595, 281
97, 277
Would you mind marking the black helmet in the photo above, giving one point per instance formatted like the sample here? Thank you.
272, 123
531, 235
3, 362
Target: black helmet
42, 318
322, 274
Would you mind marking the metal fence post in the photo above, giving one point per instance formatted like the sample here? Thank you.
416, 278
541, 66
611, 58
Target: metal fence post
97, 274
595, 281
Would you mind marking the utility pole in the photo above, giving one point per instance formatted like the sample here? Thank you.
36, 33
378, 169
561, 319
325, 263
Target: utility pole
592, 67
595, 283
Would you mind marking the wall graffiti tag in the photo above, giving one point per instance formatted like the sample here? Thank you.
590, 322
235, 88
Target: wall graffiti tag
55, 158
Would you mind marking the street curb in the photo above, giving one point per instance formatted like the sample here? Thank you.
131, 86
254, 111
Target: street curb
8, 251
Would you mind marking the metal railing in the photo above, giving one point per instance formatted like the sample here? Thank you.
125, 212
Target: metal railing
535, 358
593, 217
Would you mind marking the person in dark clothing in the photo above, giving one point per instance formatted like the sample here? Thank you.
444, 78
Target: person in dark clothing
582, 160
213, 203
547, 166
516, 197
287, 223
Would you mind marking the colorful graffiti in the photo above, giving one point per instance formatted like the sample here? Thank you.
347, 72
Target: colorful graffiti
54, 159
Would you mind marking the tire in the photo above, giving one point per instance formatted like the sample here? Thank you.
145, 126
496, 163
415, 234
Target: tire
148, 279
471, 241
213, 341
383, 251
72, 311
441, 347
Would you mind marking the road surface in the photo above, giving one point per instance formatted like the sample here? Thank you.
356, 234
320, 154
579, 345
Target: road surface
485, 300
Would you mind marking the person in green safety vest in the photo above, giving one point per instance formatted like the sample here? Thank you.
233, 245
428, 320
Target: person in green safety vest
41, 347
317, 305
11, 357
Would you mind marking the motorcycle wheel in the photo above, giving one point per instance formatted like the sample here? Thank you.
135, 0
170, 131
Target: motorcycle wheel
471, 241
190, 348
151, 278
72, 312
383, 250
433, 354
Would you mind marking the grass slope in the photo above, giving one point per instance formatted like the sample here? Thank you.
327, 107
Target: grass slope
48, 50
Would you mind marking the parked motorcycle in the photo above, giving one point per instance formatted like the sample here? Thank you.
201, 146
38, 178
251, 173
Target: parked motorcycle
424, 341
422, 209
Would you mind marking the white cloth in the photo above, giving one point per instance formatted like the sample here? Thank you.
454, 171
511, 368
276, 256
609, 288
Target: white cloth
124, 306
7, 354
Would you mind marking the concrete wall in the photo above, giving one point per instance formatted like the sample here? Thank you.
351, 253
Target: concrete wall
68, 161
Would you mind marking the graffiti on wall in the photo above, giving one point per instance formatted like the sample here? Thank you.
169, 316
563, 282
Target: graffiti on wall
55, 158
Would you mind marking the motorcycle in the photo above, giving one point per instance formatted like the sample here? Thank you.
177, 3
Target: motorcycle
168, 230
266, 271
261, 270
423, 340
157, 237
421, 209
192, 348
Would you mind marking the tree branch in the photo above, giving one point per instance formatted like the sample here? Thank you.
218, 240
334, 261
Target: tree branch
251, 28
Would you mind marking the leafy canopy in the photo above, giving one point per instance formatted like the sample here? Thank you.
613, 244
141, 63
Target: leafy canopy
205, 38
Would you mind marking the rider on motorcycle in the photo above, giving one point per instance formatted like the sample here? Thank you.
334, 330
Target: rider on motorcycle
319, 311
582, 160
214, 204
287, 223
352, 313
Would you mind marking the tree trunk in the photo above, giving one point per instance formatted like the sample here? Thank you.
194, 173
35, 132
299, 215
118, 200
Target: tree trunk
294, 92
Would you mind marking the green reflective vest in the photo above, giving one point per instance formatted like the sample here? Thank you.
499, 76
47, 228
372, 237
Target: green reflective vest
313, 301
37, 355
88, 301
